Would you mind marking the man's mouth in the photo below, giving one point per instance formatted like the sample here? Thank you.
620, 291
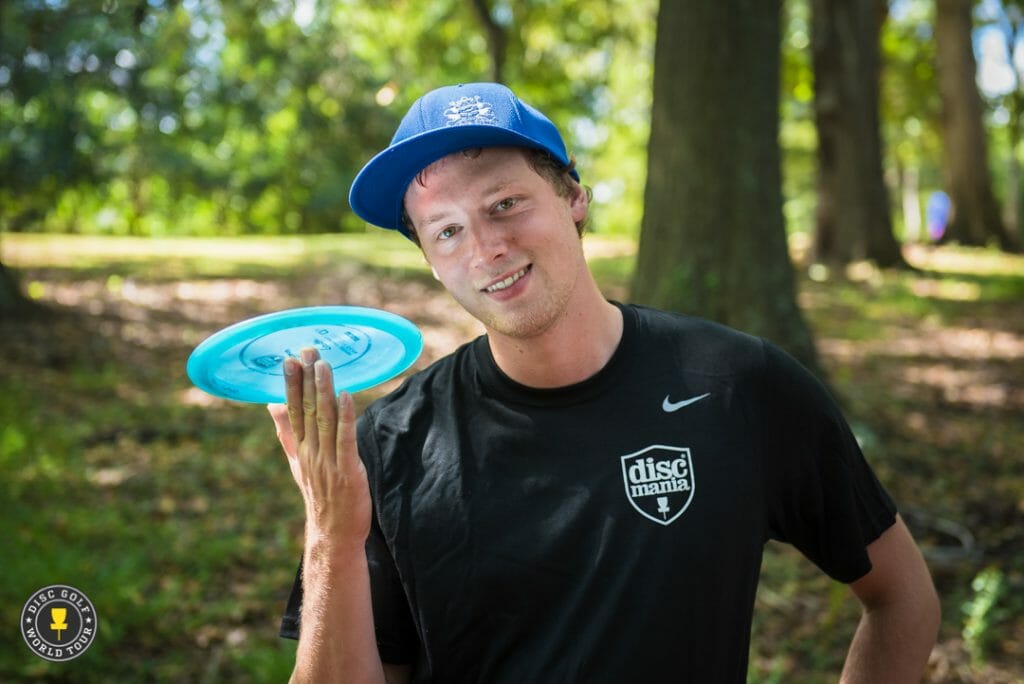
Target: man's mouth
507, 282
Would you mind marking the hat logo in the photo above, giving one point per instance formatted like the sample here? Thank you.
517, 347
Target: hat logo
469, 110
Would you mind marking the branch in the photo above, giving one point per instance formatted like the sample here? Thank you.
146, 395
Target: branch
496, 39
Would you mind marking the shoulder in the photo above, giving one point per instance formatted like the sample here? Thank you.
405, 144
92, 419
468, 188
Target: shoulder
393, 431
422, 390
711, 349
700, 344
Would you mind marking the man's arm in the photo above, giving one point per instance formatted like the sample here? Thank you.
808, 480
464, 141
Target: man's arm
336, 639
901, 614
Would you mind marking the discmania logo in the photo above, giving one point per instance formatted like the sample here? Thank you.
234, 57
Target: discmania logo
659, 482
59, 622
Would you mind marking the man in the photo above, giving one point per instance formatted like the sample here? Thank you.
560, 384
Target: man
583, 494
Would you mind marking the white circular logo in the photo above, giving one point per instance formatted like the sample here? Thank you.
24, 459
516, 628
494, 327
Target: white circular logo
59, 622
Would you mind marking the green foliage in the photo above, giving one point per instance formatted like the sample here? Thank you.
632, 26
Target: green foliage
989, 588
148, 511
217, 118
797, 135
214, 118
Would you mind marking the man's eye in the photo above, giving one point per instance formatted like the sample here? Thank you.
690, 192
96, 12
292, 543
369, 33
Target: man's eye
447, 232
505, 204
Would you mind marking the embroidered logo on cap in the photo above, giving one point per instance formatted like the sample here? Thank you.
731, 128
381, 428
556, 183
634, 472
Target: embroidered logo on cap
469, 110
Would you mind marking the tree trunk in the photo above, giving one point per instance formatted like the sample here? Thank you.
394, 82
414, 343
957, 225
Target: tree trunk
12, 301
713, 241
496, 39
976, 216
853, 217
1013, 199
1013, 33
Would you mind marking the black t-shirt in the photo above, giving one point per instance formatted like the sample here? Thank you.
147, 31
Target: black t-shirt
608, 531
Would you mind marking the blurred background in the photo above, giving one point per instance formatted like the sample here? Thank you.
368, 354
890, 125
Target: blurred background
842, 177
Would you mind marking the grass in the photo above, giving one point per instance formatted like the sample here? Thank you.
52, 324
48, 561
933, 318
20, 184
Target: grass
176, 513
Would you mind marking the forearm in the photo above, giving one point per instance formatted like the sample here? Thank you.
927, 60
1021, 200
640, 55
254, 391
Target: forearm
891, 645
336, 639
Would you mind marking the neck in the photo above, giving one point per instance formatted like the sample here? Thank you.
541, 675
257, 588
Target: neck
575, 347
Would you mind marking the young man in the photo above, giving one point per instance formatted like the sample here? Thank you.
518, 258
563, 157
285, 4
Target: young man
583, 494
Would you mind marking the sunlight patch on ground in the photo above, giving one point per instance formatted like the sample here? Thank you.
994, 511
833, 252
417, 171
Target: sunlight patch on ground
604, 247
193, 396
975, 260
110, 477
952, 290
976, 344
977, 387
68, 250
381, 249
945, 360
207, 290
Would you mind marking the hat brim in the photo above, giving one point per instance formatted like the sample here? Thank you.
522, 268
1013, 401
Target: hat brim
379, 189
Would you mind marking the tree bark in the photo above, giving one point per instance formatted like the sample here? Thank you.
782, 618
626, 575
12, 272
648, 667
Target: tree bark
713, 241
12, 301
496, 39
1015, 104
853, 217
976, 216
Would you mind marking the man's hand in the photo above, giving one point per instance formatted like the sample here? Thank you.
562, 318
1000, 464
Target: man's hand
318, 434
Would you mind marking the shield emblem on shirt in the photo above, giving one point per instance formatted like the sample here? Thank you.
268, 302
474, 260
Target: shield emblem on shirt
659, 482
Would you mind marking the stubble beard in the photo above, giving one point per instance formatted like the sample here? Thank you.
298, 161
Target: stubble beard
528, 320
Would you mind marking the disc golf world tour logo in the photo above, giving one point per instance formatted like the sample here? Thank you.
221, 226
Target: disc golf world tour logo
59, 623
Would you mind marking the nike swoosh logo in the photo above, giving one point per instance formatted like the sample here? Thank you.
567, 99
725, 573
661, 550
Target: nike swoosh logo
672, 406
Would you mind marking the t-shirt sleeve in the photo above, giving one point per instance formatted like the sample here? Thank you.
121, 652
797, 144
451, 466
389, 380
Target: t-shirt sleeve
290, 619
392, 620
821, 495
395, 631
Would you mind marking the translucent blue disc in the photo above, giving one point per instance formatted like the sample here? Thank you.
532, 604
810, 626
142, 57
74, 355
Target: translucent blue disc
364, 346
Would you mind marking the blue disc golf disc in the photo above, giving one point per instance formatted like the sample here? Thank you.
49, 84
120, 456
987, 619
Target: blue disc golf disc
364, 346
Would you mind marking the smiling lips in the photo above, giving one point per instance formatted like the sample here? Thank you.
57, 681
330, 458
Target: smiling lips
507, 282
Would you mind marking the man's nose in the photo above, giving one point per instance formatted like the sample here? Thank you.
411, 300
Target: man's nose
490, 241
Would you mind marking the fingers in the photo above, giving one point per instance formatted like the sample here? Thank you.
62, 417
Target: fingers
293, 396
326, 410
309, 429
314, 426
285, 434
346, 448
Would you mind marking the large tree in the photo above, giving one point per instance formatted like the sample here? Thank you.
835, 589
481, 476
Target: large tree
12, 301
853, 219
976, 217
713, 239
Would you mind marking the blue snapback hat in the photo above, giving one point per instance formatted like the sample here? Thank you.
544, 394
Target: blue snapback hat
443, 121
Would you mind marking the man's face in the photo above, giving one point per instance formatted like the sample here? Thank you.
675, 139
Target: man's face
499, 238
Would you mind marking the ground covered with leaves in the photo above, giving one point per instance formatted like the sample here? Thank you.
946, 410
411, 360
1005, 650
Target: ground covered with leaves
175, 512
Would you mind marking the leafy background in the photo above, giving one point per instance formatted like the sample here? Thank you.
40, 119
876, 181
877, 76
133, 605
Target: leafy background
169, 167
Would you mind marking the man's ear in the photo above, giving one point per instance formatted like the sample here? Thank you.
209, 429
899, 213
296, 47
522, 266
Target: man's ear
579, 204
